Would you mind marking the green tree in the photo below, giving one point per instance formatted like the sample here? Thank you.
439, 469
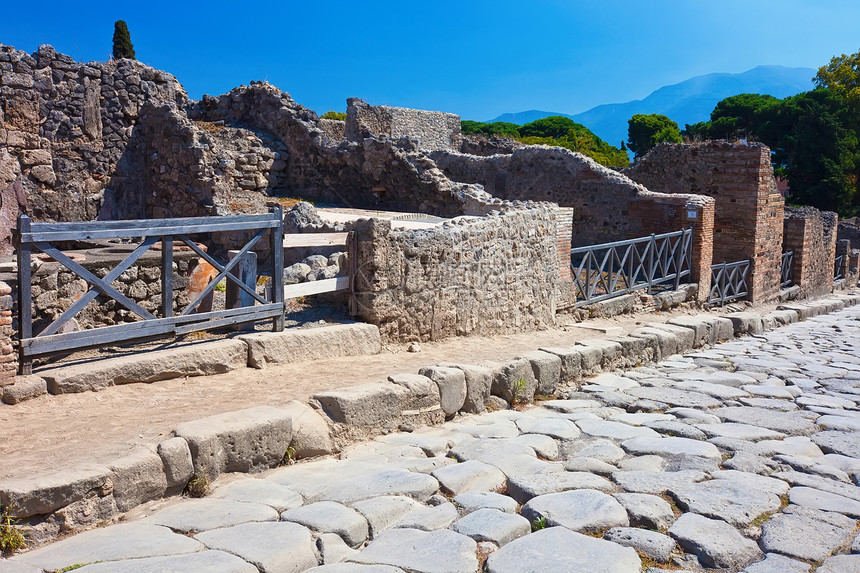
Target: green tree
496, 128
122, 47
645, 131
338, 115
842, 75
552, 126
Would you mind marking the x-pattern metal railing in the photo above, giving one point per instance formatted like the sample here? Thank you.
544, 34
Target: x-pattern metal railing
786, 274
608, 270
729, 281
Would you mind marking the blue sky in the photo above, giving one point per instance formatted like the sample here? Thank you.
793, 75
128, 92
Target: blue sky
475, 58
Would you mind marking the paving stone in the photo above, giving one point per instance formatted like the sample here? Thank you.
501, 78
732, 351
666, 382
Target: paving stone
492, 525
195, 515
735, 497
840, 564
385, 511
524, 488
640, 418
763, 391
655, 482
675, 428
642, 463
651, 544
599, 449
441, 551
511, 457
355, 568
840, 423
471, 475
500, 429
201, 562
249, 440
452, 386
751, 463
671, 446
559, 549
646, 510
474, 500
828, 485
739, 431
591, 465
332, 548
825, 401
845, 443
578, 510
613, 381
431, 445
694, 415
271, 547
122, 541
430, 518
770, 404
793, 445
786, 422
675, 397
260, 491
805, 533
776, 563
385, 482
330, 517
570, 406
716, 543
544, 446
380, 452
614, 430
816, 499
558, 428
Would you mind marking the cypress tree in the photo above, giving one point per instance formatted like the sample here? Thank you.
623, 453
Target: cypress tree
122, 47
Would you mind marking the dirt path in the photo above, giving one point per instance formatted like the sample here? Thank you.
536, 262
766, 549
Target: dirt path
59, 432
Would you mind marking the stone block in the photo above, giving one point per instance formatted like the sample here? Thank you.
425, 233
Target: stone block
746, 323
249, 440
452, 386
612, 355
546, 367
803, 311
176, 459
311, 434
201, 359
686, 337
43, 494
479, 380
24, 388
702, 326
137, 478
356, 339
571, 362
612, 307
667, 342
637, 351
514, 379
364, 405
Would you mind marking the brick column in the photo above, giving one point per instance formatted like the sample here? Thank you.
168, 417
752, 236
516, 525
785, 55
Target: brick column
564, 235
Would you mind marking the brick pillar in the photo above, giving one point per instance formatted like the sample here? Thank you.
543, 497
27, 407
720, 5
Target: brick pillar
564, 235
703, 249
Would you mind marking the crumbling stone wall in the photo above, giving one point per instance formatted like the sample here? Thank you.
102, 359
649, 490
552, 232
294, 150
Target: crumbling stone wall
8, 358
748, 214
849, 229
431, 130
486, 276
67, 128
607, 206
811, 234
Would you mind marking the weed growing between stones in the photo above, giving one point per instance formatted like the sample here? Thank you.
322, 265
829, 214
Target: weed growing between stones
11, 538
289, 457
198, 485
538, 524
519, 392
75, 566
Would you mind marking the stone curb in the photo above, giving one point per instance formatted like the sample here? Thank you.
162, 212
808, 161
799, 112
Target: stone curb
255, 439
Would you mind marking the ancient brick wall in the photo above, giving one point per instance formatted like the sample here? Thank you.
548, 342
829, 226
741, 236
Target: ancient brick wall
748, 211
811, 234
607, 206
431, 130
8, 358
486, 276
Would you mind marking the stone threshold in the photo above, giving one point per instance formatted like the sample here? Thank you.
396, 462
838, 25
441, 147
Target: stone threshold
262, 437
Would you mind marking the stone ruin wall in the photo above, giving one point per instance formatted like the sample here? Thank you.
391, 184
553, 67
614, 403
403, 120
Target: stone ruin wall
748, 216
8, 357
486, 276
811, 234
430, 130
605, 205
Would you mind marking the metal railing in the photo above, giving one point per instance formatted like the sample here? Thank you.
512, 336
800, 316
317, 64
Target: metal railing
786, 274
608, 270
837, 268
729, 281
149, 231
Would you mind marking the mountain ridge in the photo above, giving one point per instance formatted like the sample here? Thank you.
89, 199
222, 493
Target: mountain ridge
688, 101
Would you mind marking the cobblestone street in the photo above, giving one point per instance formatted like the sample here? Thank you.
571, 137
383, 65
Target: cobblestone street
742, 457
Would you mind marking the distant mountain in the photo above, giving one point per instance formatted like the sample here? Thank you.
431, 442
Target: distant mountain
690, 101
